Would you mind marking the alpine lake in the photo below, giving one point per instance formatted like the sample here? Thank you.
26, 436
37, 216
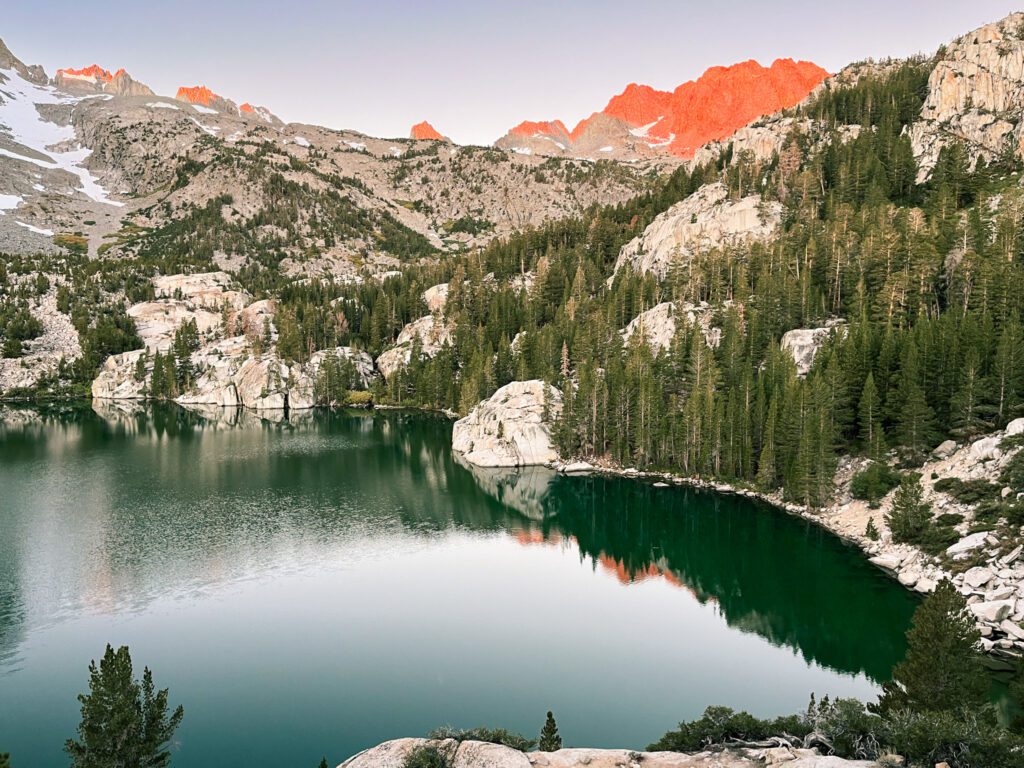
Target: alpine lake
315, 585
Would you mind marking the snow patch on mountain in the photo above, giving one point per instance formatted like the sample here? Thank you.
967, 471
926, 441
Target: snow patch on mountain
23, 124
37, 230
10, 202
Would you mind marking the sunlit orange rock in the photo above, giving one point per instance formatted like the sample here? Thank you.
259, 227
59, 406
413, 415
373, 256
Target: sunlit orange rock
712, 107
93, 74
544, 127
197, 94
425, 132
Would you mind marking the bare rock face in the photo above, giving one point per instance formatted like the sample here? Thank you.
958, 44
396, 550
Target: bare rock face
803, 344
509, 428
211, 290
96, 79
156, 321
658, 324
180, 298
228, 371
8, 60
436, 296
705, 220
976, 94
476, 754
229, 375
433, 334
116, 379
58, 341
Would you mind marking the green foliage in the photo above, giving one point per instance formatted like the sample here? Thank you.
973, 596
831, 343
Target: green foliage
549, 740
847, 726
323, 762
358, 399
943, 669
124, 722
489, 735
909, 517
5, 760
966, 738
426, 757
469, 225
1013, 473
967, 491
870, 530
873, 482
721, 724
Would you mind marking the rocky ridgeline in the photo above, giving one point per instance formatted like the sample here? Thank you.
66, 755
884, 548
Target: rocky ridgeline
231, 367
975, 94
478, 754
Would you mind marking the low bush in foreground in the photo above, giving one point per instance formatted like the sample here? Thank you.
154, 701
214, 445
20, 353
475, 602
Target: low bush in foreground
490, 735
426, 757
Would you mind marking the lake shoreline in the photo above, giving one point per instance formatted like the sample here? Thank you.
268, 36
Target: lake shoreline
887, 557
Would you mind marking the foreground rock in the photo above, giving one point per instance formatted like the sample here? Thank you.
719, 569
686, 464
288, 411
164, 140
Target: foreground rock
476, 754
511, 428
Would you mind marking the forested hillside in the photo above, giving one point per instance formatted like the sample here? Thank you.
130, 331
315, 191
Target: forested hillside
928, 278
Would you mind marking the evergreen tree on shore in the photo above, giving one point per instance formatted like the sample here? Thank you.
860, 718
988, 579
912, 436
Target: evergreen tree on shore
550, 741
943, 669
124, 723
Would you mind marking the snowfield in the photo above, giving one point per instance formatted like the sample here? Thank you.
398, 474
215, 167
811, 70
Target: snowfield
20, 120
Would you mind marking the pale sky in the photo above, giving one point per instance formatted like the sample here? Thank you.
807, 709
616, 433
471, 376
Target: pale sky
473, 69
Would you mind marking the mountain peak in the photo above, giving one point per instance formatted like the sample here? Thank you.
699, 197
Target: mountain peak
710, 108
196, 94
96, 78
262, 113
201, 96
8, 60
425, 132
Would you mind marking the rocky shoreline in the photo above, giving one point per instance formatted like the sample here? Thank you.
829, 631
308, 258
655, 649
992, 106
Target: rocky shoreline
512, 429
479, 754
995, 591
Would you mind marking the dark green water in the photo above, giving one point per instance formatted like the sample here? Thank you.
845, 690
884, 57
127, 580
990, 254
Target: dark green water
315, 587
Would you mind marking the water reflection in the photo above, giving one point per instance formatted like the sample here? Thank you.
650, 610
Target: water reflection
122, 527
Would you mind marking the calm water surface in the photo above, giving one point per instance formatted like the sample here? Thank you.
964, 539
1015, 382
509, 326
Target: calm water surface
314, 587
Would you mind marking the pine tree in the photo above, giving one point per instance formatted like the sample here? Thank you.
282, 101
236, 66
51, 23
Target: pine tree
5, 760
909, 516
870, 530
323, 762
943, 669
140, 366
870, 418
550, 741
124, 722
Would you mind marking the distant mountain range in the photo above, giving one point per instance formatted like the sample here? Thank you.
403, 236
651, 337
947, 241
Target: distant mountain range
640, 121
